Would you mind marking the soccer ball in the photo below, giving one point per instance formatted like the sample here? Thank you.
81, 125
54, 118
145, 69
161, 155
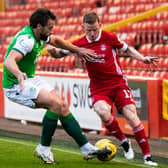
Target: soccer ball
106, 143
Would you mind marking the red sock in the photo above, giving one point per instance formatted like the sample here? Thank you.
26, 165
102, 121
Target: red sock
113, 127
141, 139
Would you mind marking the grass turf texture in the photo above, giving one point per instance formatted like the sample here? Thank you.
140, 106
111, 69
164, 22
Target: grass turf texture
18, 153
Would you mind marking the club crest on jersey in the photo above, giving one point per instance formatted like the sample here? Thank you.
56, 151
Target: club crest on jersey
103, 47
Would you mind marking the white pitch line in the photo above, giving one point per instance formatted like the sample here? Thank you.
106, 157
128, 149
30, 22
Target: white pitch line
67, 151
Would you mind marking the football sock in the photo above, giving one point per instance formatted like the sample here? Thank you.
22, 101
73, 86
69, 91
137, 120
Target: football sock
43, 148
113, 127
141, 139
49, 125
72, 127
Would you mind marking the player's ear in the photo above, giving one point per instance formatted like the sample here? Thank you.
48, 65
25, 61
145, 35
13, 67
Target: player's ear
39, 26
100, 25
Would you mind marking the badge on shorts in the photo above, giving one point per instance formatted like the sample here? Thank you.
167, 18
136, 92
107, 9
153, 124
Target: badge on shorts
32, 91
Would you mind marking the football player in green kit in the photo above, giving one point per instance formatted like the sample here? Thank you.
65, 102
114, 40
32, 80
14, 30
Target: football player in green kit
22, 87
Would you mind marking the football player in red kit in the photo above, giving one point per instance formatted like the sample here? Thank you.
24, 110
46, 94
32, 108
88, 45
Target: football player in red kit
108, 85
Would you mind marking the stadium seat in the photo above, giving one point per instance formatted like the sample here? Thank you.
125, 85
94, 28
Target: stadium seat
158, 50
43, 62
130, 39
166, 50
156, 74
134, 64
164, 64
121, 59
164, 75
135, 73
1, 58
146, 49
144, 33
127, 62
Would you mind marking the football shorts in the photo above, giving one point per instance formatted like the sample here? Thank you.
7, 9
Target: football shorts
120, 96
31, 89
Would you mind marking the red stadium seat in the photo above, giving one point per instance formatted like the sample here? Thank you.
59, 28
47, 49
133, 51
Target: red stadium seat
164, 64
158, 50
121, 59
156, 74
134, 64
164, 75
1, 58
146, 49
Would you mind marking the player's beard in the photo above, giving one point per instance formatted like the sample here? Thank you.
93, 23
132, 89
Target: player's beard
43, 37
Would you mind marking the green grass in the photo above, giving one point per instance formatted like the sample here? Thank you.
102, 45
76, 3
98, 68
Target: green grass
17, 153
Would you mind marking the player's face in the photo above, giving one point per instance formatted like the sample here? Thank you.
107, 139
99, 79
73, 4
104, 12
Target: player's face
92, 30
47, 30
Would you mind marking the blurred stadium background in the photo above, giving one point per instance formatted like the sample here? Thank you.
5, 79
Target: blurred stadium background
143, 24
148, 35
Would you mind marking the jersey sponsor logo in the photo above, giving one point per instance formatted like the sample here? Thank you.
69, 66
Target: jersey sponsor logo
103, 47
99, 58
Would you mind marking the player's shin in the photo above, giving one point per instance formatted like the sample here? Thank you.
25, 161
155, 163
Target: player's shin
141, 139
112, 125
71, 126
49, 126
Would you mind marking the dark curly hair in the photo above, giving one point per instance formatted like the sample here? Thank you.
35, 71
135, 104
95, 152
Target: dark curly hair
41, 16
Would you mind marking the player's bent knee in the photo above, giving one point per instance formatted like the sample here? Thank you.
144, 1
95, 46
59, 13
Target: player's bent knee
101, 111
64, 110
133, 120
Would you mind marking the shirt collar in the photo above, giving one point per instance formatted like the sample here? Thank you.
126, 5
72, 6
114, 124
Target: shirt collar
97, 39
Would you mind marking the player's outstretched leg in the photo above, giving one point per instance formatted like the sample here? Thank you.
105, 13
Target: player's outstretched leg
71, 126
113, 127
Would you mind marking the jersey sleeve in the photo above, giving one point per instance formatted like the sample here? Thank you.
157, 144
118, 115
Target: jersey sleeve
117, 43
76, 42
24, 44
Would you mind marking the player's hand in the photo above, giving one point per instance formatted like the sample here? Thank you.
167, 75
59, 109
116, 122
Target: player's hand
87, 54
21, 77
150, 60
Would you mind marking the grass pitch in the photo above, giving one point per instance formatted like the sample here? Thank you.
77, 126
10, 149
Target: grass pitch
17, 153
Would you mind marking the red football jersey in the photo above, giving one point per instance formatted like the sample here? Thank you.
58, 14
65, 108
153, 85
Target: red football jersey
105, 70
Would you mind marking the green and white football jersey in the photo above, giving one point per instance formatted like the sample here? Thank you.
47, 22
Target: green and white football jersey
25, 43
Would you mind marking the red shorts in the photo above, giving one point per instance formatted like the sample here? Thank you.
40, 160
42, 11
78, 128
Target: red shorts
120, 96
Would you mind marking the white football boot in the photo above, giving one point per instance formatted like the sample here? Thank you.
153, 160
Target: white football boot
128, 151
44, 154
148, 161
89, 152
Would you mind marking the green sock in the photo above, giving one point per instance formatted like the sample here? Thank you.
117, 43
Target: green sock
72, 127
49, 126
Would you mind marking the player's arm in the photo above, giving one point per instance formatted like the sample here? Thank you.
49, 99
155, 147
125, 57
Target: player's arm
135, 54
122, 46
23, 45
57, 52
11, 65
81, 52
